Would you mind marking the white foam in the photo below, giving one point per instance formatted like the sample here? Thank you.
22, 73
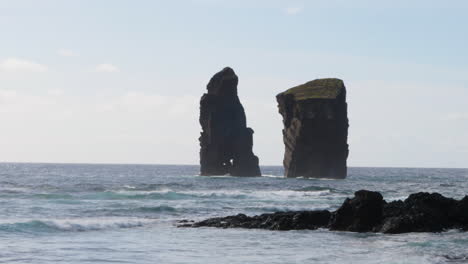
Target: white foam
84, 224
396, 198
14, 190
139, 192
272, 176
261, 194
268, 194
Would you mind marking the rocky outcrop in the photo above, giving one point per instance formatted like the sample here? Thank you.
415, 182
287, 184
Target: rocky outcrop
315, 130
359, 214
424, 212
226, 141
365, 212
276, 221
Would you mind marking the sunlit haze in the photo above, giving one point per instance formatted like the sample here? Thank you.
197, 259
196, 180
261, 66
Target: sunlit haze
117, 81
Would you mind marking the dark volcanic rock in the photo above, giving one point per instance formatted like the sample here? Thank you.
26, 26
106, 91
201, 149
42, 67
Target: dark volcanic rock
366, 212
275, 221
462, 213
315, 133
226, 141
420, 212
360, 214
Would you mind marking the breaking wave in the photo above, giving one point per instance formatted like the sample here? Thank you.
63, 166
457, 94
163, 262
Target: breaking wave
71, 225
208, 194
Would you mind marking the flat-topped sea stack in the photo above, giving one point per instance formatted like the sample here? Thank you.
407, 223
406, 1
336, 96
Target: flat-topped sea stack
226, 142
315, 133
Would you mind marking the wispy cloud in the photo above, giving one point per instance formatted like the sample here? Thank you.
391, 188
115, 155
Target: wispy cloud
67, 53
106, 67
293, 10
20, 65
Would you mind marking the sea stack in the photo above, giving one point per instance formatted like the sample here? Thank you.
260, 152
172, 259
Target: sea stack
315, 133
226, 142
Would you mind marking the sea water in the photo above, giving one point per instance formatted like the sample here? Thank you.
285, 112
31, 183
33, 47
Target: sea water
70, 213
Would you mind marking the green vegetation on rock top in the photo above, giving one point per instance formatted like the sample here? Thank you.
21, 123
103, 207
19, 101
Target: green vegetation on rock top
317, 89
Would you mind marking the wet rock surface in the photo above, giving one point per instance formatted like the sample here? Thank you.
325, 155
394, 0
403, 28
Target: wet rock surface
315, 130
422, 212
359, 214
367, 211
276, 221
226, 142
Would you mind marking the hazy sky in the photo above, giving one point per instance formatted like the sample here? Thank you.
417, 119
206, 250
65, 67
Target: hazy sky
120, 81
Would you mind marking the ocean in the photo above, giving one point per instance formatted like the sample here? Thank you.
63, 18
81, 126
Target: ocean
79, 213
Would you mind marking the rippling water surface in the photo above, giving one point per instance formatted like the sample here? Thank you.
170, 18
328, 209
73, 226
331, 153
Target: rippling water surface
62, 213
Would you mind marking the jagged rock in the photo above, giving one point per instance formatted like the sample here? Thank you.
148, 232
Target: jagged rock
276, 221
360, 214
315, 130
420, 212
462, 216
226, 141
366, 212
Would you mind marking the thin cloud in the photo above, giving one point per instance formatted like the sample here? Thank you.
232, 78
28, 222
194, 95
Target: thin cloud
20, 65
293, 10
106, 67
67, 53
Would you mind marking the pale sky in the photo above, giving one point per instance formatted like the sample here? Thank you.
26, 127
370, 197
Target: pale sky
119, 81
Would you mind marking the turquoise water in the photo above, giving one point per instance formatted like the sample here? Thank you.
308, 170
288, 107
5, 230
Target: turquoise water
57, 213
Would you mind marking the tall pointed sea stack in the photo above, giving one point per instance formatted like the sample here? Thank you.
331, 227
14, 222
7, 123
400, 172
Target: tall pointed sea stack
226, 141
315, 133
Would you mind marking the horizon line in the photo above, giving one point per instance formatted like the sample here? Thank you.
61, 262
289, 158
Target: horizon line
174, 164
